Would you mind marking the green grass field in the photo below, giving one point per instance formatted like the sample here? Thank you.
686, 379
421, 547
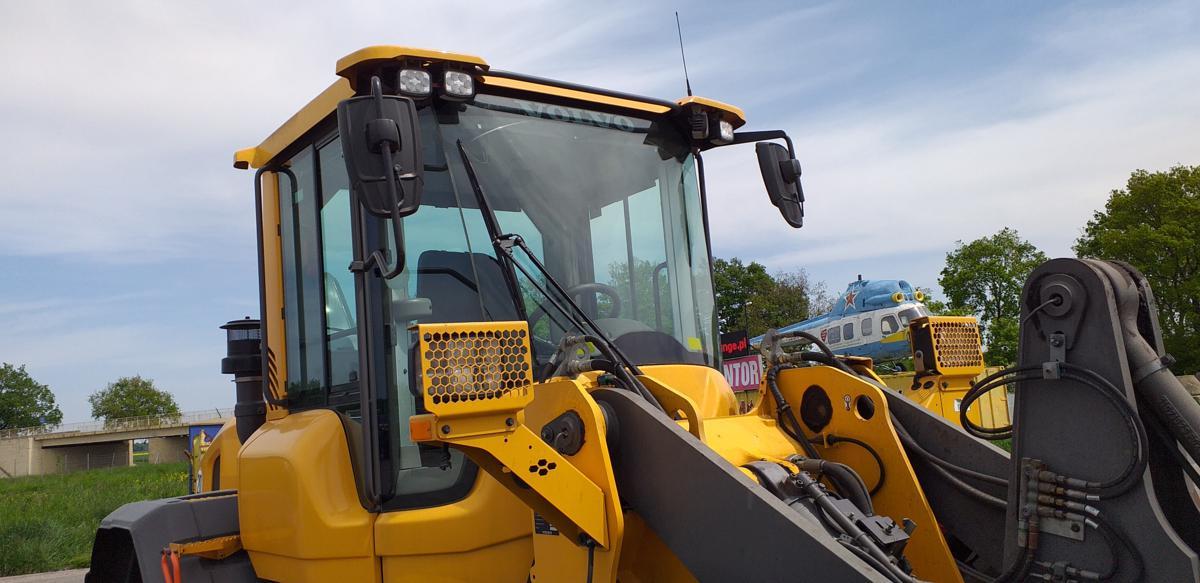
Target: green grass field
47, 522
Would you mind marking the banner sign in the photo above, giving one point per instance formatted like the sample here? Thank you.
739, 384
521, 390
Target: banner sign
199, 438
735, 344
743, 374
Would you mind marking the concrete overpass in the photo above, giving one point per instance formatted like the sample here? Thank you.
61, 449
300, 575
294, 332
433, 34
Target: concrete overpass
33, 451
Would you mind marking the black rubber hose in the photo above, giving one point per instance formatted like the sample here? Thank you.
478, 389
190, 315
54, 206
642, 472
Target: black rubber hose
1017, 571
860, 539
849, 483
827, 361
622, 372
835, 439
964, 487
910, 443
1134, 556
867, 558
1132, 473
784, 414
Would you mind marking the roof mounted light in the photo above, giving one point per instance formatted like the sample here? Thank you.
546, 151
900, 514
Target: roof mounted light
457, 84
415, 82
724, 133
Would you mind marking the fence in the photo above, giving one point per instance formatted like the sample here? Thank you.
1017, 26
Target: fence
124, 424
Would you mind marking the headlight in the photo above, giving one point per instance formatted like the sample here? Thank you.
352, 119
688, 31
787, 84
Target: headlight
415, 82
458, 84
726, 131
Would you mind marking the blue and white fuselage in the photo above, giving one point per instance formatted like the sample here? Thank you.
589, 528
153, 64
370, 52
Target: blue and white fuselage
869, 319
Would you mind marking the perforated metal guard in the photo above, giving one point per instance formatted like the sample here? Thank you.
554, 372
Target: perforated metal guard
956, 345
475, 368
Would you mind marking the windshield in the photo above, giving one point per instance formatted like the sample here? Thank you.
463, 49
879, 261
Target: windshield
609, 204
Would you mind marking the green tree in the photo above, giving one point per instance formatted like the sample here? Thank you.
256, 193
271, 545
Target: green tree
1152, 224
750, 298
132, 397
985, 278
25, 402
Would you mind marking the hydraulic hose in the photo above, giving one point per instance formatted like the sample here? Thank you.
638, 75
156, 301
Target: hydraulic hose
849, 483
622, 372
1131, 474
911, 444
858, 538
836, 439
784, 414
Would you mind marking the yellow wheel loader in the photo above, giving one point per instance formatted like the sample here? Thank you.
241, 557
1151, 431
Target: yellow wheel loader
487, 352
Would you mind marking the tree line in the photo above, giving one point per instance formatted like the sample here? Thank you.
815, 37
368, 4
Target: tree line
1151, 224
24, 402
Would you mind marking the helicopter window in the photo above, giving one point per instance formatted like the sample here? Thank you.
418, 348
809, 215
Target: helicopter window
910, 314
835, 335
848, 330
867, 327
888, 325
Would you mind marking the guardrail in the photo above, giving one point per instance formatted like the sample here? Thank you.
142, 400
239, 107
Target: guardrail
123, 424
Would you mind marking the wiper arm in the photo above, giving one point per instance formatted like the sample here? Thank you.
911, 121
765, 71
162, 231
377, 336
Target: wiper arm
505, 244
493, 228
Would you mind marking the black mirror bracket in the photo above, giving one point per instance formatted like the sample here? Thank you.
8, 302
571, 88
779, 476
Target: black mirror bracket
379, 138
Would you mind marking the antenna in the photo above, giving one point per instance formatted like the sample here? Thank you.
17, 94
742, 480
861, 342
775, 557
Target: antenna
679, 30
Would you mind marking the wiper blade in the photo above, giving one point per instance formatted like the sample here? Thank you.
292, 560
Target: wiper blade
626, 369
505, 244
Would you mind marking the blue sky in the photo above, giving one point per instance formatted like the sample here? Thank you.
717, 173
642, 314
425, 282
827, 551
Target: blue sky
126, 237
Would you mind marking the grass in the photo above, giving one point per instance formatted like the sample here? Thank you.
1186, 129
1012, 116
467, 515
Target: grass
47, 522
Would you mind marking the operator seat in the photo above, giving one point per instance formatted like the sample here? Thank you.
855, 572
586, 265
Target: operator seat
448, 280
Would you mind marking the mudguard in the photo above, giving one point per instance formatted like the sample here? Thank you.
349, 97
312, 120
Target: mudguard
129, 543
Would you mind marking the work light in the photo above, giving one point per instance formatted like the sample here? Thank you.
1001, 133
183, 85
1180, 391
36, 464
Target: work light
415, 82
458, 84
726, 131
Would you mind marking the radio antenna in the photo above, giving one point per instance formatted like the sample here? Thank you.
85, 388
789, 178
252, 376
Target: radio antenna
679, 30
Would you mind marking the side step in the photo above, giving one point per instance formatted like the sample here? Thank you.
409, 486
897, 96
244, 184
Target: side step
697, 502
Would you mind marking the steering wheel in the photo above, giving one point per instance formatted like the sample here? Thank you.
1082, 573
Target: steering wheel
580, 290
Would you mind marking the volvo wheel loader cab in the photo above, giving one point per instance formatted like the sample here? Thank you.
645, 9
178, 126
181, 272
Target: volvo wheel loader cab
487, 352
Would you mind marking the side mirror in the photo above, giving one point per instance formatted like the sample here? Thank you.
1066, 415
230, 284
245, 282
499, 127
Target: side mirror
381, 142
781, 176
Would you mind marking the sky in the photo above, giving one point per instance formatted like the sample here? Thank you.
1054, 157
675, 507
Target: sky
127, 238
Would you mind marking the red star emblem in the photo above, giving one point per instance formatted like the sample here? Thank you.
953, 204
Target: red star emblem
850, 299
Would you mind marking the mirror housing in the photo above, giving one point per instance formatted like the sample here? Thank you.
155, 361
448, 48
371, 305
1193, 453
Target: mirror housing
381, 143
781, 176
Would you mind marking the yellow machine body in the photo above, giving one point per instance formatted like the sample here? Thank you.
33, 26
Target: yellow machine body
532, 513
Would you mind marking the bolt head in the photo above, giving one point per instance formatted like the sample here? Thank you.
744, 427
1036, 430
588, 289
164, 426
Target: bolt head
445, 429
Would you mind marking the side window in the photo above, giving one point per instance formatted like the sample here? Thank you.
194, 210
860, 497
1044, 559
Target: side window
848, 330
888, 325
868, 327
303, 305
835, 335
340, 340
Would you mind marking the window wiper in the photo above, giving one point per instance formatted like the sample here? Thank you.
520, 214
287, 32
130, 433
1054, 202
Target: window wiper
624, 368
504, 244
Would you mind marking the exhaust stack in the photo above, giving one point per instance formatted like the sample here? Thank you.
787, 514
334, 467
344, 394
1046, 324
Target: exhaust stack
243, 347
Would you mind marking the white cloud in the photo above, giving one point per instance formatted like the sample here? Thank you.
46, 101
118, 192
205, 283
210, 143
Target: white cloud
917, 172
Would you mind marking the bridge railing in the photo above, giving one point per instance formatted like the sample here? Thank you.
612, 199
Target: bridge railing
122, 424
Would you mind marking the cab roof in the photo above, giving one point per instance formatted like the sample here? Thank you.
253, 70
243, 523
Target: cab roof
347, 69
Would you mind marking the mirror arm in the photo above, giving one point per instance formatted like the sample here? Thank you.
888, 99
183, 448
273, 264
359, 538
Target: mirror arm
377, 258
747, 137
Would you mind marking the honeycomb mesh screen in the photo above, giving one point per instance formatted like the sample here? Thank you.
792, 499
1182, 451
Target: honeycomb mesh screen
475, 363
957, 344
